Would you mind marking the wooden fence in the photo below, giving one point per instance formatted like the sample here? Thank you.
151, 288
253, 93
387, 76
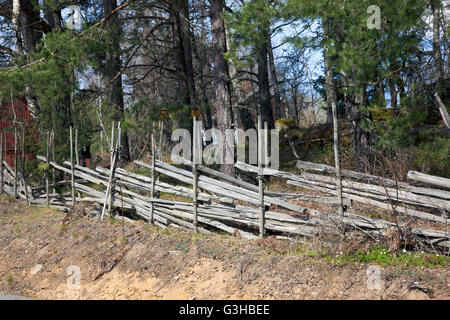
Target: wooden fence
218, 202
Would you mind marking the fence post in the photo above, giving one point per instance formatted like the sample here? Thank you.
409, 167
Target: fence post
111, 173
194, 173
46, 172
161, 130
77, 157
110, 167
337, 162
119, 137
1, 163
53, 159
72, 167
22, 165
260, 179
152, 192
266, 144
15, 161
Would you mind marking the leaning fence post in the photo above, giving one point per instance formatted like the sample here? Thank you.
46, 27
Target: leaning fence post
260, 179
337, 162
111, 164
194, 173
46, 172
152, 192
72, 167
111, 173
1, 162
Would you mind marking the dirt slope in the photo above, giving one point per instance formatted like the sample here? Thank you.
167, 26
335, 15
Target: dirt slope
136, 261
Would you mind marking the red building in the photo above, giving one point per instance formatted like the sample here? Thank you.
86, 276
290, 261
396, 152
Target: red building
24, 117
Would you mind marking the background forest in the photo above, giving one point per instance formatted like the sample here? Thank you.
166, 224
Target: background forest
230, 61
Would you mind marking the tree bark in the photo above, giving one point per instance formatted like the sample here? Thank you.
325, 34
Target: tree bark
222, 92
16, 26
438, 63
273, 73
393, 93
53, 16
263, 81
112, 68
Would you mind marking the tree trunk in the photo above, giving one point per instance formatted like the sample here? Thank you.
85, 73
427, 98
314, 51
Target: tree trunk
273, 73
16, 27
112, 68
393, 93
381, 95
32, 27
208, 123
222, 92
360, 137
53, 16
263, 81
241, 111
438, 64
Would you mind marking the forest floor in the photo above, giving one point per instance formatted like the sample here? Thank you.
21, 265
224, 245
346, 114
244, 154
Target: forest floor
120, 260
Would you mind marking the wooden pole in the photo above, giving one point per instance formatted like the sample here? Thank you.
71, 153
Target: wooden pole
119, 155
266, 144
77, 157
111, 175
22, 165
101, 131
337, 161
443, 111
72, 167
260, 179
161, 130
1, 163
46, 173
152, 192
266, 147
111, 147
53, 159
111, 164
332, 100
15, 161
194, 173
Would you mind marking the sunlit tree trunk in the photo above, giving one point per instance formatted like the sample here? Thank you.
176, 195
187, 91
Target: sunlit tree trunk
222, 92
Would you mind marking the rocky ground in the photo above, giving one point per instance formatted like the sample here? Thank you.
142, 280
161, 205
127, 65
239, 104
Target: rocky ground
42, 252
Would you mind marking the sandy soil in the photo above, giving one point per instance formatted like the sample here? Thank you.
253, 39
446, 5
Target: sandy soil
136, 261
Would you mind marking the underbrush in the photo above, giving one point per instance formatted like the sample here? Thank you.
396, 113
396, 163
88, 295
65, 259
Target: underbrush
380, 255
